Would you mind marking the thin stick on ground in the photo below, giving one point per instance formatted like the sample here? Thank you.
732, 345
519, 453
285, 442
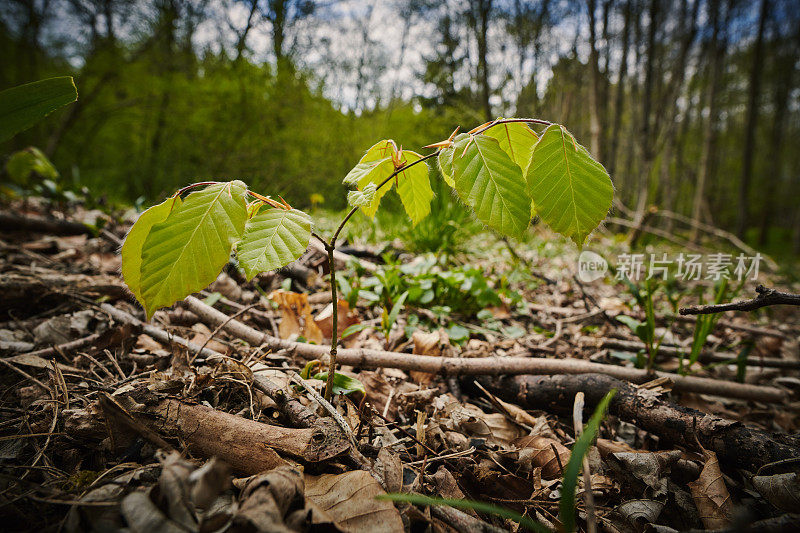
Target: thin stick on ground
766, 297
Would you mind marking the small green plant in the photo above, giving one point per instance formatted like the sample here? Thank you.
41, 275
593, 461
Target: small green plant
645, 331
703, 328
503, 170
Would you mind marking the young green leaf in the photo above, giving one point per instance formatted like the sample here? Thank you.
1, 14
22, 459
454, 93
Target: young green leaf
132, 247
374, 167
391, 317
445, 161
342, 384
572, 191
25, 162
572, 470
186, 252
517, 140
23, 106
491, 183
489, 508
414, 188
363, 198
273, 238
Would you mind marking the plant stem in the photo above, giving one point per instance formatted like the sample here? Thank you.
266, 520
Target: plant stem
334, 324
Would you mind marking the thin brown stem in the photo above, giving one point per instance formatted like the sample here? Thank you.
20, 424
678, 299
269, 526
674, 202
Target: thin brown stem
766, 297
334, 325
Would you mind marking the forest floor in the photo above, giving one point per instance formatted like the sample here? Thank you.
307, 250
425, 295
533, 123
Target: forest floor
208, 417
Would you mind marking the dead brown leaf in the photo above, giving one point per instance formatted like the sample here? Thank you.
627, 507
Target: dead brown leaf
538, 451
349, 499
711, 496
296, 318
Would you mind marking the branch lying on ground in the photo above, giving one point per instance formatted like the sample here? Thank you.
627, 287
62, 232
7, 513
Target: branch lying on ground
52, 226
480, 366
766, 297
734, 443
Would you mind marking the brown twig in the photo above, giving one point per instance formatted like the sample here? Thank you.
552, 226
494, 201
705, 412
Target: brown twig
766, 297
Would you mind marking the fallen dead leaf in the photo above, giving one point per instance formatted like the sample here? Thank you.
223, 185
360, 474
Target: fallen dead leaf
538, 451
296, 318
710, 494
349, 499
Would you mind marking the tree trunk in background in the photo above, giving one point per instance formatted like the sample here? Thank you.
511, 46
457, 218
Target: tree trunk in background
594, 90
717, 53
647, 141
783, 85
479, 12
277, 17
752, 123
611, 159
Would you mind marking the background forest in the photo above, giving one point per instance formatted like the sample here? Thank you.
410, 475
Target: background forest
692, 105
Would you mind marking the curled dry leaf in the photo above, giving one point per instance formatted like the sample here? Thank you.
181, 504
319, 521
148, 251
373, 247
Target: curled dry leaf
538, 451
641, 512
296, 318
650, 468
346, 318
428, 344
710, 494
349, 499
267, 499
781, 490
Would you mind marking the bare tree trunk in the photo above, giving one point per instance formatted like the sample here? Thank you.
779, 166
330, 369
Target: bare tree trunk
647, 141
619, 100
717, 53
783, 86
752, 123
479, 12
594, 90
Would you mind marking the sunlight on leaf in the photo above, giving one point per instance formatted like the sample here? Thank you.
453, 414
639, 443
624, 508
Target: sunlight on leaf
491, 183
273, 238
185, 253
134, 241
373, 168
572, 191
414, 188
517, 140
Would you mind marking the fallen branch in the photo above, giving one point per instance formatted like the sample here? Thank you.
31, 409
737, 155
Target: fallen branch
766, 297
238, 441
51, 226
364, 358
734, 443
705, 356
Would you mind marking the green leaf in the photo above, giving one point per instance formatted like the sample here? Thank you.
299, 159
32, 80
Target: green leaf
23, 163
517, 140
491, 183
186, 252
419, 499
23, 106
352, 329
445, 161
362, 198
414, 188
342, 384
391, 317
572, 191
132, 247
273, 238
374, 167
573, 468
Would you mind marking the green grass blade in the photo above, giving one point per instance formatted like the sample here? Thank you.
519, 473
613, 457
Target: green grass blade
186, 252
573, 468
572, 192
419, 499
273, 238
23, 106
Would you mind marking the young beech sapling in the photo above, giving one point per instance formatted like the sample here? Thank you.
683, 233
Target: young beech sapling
503, 170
